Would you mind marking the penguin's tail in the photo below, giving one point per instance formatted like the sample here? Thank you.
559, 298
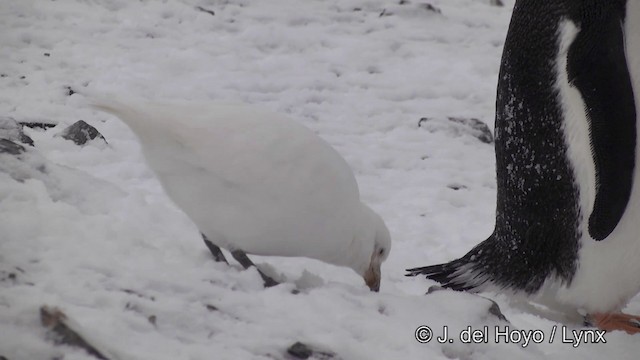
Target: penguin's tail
461, 274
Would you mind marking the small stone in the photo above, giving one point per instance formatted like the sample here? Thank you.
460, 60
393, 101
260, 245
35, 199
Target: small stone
47, 54
44, 125
25, 139
429, 7
61, 332
210, 12
457, 126
483, 133
9, 147
300, 351
211, 307
81, 132
456, 186
12, 130
303, 351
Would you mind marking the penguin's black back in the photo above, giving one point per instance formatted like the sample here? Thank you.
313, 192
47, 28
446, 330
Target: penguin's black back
538, 216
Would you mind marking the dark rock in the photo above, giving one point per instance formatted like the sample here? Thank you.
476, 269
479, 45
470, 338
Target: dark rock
300, 351
47, 54
9, 147
70, 91
81, 132
25, 139
12, 130
413, 10
133, 292
483, 132
211, 307
59, 330
37, 124
211, 12
8, 276
429, 7
456, 186
457, 126
496, 2
303, 351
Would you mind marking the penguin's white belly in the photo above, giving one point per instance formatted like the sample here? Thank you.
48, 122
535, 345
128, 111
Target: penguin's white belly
608, 271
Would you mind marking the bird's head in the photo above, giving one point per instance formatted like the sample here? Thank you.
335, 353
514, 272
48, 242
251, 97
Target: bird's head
381, 246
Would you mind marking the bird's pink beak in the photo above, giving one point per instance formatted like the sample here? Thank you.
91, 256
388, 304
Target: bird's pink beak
372, 277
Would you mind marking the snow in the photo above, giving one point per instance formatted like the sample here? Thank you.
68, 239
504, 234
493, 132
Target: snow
89, 229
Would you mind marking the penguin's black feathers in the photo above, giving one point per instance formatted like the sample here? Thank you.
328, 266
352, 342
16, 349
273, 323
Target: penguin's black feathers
538, 213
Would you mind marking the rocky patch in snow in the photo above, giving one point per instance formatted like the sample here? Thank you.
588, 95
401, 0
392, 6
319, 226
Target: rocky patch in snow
457, 127
12, 130
81, 132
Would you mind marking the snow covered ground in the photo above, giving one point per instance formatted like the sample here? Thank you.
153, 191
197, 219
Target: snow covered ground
99, 239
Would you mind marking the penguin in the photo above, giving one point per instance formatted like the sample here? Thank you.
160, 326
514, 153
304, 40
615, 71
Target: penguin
256, 182
567, 228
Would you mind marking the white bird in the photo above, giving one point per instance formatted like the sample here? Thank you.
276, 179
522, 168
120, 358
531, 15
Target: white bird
257, 182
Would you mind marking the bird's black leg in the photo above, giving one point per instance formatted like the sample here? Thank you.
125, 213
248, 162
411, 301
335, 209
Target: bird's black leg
215, 250
244, 260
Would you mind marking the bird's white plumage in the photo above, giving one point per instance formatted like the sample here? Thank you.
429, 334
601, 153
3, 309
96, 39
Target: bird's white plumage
608, 271
254, 180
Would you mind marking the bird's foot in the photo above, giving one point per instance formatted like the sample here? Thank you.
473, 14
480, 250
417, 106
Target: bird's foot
244, 260
615, 321
215, 250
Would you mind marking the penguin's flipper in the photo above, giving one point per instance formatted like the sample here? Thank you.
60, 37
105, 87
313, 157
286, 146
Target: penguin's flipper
597, 67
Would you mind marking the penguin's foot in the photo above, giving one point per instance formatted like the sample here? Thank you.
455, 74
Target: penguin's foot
615, 321
244, 260
215, 250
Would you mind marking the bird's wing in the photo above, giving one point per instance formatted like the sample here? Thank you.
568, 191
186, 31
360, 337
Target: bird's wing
597, 67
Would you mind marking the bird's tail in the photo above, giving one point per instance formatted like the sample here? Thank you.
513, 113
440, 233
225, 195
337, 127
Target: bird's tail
141, 115
114, 105
463, 274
